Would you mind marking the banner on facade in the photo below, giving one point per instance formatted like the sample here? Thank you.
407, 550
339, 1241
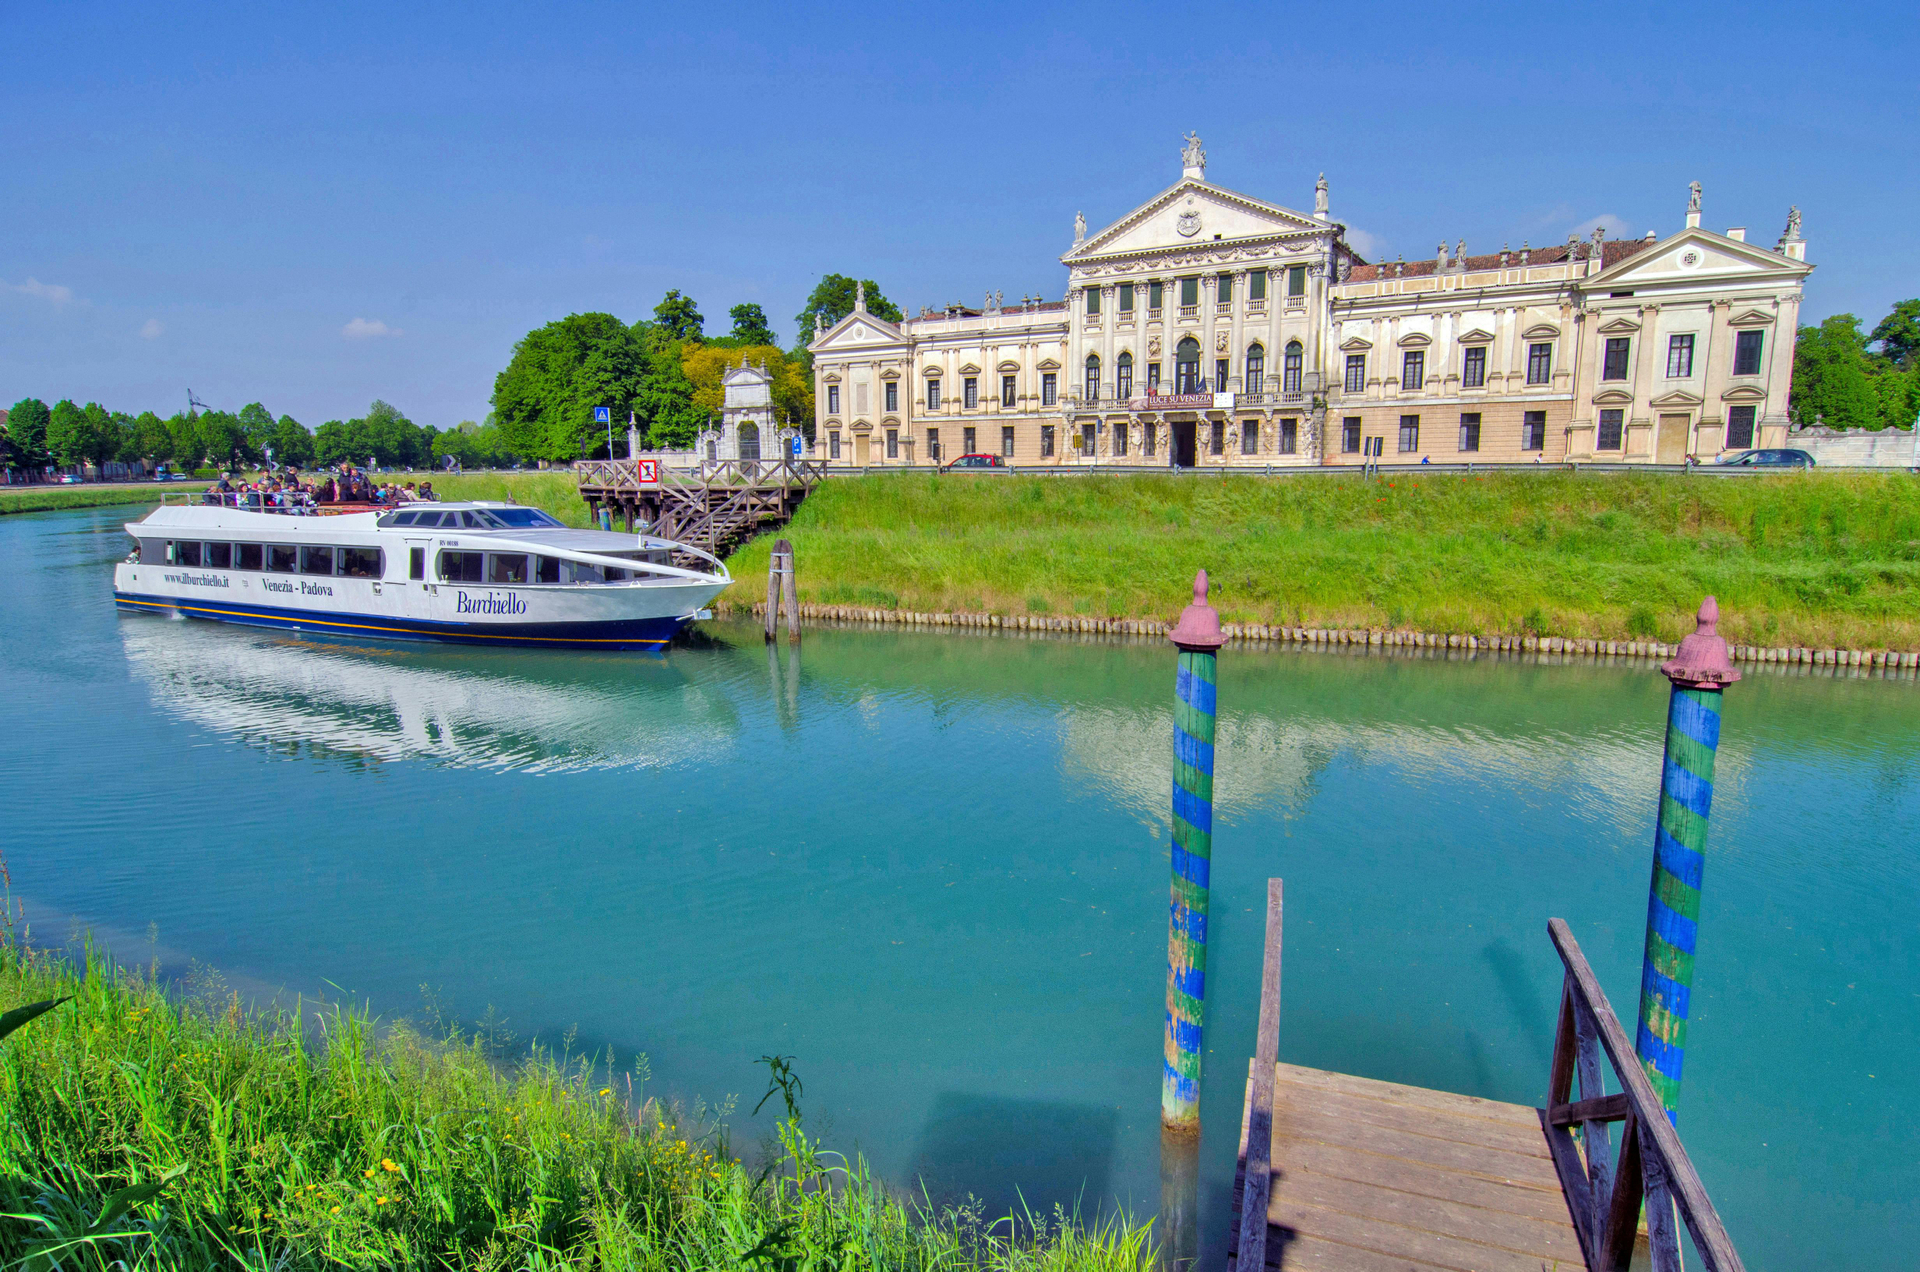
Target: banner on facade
1182, 402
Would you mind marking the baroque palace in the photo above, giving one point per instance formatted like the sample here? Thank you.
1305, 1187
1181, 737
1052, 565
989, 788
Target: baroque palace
1210, 328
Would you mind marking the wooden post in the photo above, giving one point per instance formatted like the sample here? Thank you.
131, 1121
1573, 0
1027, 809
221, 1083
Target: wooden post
773, 593
1257, 1177
789, 591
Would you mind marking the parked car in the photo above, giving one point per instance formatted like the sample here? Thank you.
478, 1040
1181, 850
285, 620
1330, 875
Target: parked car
1771, 459
977, 461
69, 479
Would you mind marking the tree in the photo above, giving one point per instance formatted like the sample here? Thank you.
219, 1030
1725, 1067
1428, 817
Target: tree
666, 404
544, 400
66, 429
679, 317
256, 426
292, 444
101, 438
833, 300
750, 328
151, 439
792, 386
27, 432
219, 439
1830, 377
1898, 335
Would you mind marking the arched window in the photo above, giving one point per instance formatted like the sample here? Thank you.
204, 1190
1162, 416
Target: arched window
1124, 372
1256, 369
1093, 377
1290, 371
1186, 366
749, 440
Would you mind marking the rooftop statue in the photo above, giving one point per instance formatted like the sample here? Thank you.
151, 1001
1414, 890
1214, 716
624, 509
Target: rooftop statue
1191, 155
1693, 196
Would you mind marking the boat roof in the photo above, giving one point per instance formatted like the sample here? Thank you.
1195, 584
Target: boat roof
202, 518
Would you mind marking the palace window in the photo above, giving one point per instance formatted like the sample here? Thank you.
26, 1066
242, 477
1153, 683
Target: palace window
1153, 376
833, 399
1249, 437
1409, 432
1093, 302
1186, 366
1533, 431
1046, 441
1126, 298
1119, 439
1740, 421
1296, 280
1256, 369
1257, 285
1219, 375
1469, 432
1611, 426
1226, 289
1006, 440
1156, 293
893, 395
1679, 357
1008, 392
1613, 363
1350, 435
1093, 377
1217, 438
968, 441
1189, 291
933, 445
970, 391
893, 443
1356, 373
1049, 388
1413, 370
1289, 435
933, 394
1473, 369
1123, 370
1539, 363
1087, 442
833, 444
1290, 368
1746, 352
1146, 438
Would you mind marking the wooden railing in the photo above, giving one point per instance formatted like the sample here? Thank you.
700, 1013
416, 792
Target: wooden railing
709, 472
1605, 1193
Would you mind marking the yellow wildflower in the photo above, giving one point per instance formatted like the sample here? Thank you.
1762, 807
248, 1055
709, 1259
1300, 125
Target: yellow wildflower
369, 1174
381, 1201
606, 1090
388, 1164
334, 1211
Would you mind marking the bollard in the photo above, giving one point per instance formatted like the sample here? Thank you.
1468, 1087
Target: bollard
776, 565
789, 595
1198, 636
1698, 672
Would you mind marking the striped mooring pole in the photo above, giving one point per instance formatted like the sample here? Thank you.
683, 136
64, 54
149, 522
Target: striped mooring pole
1198, 637
1699, 672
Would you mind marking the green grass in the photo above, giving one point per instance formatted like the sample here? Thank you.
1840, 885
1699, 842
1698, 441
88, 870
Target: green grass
1814, 558
387, 1148
51, 498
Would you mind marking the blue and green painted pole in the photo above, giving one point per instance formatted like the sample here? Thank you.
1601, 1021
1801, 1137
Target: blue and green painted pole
1198, 637
1700, 670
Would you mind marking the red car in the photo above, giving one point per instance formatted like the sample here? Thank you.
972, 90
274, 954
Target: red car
977, 461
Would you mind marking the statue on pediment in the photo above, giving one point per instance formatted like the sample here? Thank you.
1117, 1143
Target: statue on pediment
1191, 155
1079, 228
1793, 225
1320, 196
1693, 196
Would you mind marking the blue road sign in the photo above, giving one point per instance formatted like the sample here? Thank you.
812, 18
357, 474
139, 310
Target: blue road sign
601, 415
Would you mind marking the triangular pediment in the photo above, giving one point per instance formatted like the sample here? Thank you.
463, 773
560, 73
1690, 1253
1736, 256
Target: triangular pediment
1191, 214
1751, 318
1358, 344
858, 330
1678, 397
1612, 397
1619, 327
1477, 336
1695, 254
1048, 364
969, 369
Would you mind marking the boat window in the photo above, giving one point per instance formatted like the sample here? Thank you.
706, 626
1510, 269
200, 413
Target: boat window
506, 567
478, 521
316, 560
581, 572
615, 574
219, 556
523, 518
362, 563
186, 554
448, 520
403, 519
246, 556
547, 570
283, 558
416, 563
462, 567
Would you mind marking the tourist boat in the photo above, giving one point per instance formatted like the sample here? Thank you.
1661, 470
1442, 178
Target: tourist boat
476, 573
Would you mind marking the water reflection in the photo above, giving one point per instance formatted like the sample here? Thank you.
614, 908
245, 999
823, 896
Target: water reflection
465, 708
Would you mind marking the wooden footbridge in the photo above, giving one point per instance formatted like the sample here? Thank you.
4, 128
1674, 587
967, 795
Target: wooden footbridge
713, 505
1341, 1172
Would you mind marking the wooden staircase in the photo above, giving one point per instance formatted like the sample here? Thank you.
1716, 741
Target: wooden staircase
713, 506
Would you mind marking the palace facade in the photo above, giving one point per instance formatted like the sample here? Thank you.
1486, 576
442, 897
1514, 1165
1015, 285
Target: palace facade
1210, 328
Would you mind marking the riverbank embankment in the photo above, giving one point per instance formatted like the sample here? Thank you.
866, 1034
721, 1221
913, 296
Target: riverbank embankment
55, 498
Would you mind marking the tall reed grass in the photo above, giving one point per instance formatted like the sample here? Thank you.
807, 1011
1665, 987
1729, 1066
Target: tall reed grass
274, 1146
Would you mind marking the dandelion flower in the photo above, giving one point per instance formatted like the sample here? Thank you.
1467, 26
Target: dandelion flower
380, 1201
369, 1174
388, 1164
334, 1211
606, 1090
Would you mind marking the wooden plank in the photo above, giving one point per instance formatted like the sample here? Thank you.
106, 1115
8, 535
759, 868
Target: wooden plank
1550, 1238
1527, 1199
1296, 1123
1391, 1115
1575, 1193
1417, 1097
1257, 1170
1411, 1244
1594, 1137
1622, 1216
1601, 1108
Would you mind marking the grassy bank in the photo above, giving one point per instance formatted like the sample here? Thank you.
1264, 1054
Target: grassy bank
382, 1149
1819, 558
50, 498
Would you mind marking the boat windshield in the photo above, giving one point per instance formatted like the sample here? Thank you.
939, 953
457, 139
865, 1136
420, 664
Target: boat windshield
474, 519
523, 518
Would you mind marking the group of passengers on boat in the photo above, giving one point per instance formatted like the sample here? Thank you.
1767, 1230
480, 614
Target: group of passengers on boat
288, 493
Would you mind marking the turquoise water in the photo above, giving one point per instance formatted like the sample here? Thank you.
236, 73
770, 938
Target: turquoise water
934, 869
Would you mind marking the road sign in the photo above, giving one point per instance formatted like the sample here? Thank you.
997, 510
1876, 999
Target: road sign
646, 471
601, 415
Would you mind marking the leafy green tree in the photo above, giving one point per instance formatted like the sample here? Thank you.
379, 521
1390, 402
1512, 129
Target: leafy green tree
219, 439
291, 442
66, 432
340, 442
666, 404
750, 327
543, 401
1830, 376
27, 433
126, 441
100, 436
151, 438
679, 317
833, 300
1898, 335
256, 425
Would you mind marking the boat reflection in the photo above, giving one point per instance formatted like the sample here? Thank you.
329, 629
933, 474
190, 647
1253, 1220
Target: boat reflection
542, 712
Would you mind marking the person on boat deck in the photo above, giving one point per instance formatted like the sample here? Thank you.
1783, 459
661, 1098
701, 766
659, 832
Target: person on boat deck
426, 493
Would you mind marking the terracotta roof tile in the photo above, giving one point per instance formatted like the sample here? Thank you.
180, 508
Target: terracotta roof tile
1612, 252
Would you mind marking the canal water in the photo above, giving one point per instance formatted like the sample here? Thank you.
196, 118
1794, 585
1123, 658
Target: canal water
933, 868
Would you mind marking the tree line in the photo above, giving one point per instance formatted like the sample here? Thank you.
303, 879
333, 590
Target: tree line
1844, 379
663, 373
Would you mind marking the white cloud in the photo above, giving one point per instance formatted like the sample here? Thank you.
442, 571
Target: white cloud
1365, 244
368, 328
45, 291
1616, 227
152, 329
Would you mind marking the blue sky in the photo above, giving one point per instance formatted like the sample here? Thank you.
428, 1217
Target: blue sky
314, 208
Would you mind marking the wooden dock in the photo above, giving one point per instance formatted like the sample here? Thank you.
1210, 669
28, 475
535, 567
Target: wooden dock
1343, 1172
712, 506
